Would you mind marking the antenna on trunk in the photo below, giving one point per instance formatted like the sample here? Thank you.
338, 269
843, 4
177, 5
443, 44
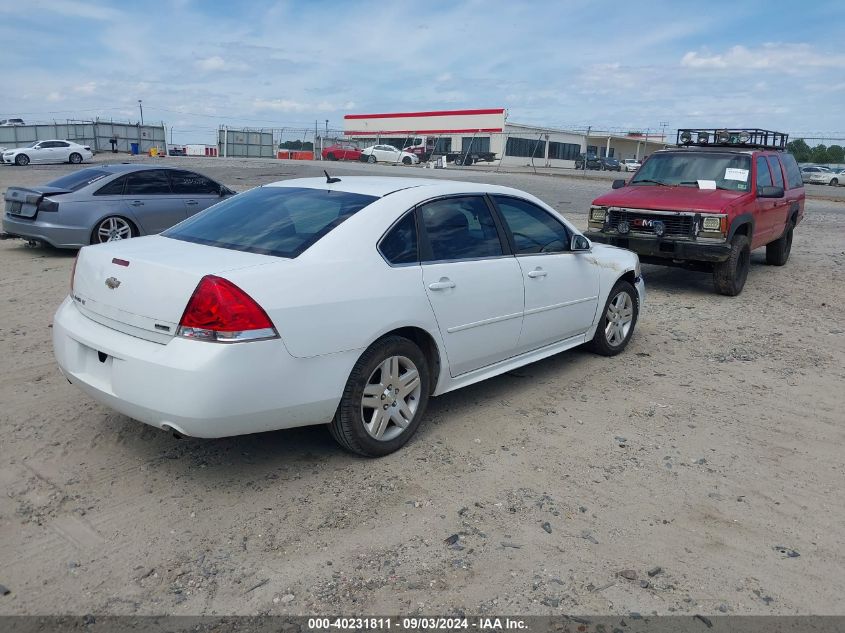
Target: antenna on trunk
329, 179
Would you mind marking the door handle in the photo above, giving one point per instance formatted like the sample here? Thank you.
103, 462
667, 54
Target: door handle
537, 272
137, 203
443, 284
191, 202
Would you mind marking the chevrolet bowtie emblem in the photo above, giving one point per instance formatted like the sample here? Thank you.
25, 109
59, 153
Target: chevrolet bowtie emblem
112, 282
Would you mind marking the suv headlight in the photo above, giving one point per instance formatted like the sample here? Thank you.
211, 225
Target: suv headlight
711, 223
597, 214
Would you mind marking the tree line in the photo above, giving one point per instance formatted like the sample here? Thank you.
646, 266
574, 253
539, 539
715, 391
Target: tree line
820, 154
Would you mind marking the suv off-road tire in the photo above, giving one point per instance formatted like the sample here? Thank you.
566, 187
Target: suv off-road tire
600, 344
729, 276
777, 252
347, 427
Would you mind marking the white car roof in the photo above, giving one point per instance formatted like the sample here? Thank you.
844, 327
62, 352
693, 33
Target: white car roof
383, 185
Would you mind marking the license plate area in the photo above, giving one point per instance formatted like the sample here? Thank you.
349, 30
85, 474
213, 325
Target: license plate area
19, 209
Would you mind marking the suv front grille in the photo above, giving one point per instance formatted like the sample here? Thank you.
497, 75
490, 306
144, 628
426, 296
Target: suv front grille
639, 221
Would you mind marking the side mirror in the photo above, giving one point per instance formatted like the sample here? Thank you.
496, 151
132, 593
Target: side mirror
770, 192
618, 183
579, 243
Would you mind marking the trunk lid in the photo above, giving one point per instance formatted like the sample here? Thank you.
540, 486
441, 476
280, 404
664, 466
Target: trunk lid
23, 201
141, 286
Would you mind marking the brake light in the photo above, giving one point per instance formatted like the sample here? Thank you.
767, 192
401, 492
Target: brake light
47, 205
221, 312
73, 270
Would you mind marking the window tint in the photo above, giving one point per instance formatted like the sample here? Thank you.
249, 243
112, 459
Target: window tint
793, 174
525, 147
60, 144
564, 151
147, 182
460, 228
477, 144
777, 175
187, 182
78, 179
764, 177
534, 230
114, 188
280, 221
399, 246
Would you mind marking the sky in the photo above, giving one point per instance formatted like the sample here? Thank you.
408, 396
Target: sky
619, 66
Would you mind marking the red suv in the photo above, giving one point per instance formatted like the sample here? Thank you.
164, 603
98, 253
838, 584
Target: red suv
707, 204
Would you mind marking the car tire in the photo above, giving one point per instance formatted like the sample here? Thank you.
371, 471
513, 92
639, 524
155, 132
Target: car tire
21, 160
406, 161
382, 435
371, 159
618, 320
468, 161
331, 156
75, 158
834, 182
113, 228
729, 276
777, 252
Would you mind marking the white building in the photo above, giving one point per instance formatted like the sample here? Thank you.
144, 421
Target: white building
487, 130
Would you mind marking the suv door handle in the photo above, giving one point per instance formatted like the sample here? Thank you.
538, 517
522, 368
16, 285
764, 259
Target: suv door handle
137, 203
443, 284
537, 272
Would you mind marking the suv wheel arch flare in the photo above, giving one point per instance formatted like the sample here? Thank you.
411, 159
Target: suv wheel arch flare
220, 312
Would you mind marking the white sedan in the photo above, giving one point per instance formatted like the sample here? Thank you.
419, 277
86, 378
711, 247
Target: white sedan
345, 303
388, 154
631, 164
54, 151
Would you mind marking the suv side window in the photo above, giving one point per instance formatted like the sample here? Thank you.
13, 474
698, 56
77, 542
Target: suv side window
777, 175
534, 230
114, 188
793, 173
148, 182
460, 228
764, 177
399, 246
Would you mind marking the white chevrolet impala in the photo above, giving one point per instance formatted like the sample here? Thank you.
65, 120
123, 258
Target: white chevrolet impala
341, 302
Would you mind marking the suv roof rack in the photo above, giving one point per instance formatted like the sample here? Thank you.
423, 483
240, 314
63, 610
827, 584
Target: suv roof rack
748, 138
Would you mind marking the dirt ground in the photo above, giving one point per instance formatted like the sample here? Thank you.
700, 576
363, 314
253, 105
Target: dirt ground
711, 449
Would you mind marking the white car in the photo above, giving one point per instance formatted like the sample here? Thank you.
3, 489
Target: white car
630, 164
52, 151
345, 303
819, 175
388, 154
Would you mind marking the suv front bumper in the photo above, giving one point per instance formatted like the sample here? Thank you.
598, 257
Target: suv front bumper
665, 248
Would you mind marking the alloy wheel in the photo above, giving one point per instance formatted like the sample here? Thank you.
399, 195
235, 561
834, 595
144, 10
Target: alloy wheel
112, 229
620, 317
391, 398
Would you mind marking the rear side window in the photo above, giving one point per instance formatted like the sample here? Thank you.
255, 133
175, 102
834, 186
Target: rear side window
764, 177
187, 182
793, 173
280, 221
147, 183
777, 176
399, 246
114, 188
78, 179
460, 228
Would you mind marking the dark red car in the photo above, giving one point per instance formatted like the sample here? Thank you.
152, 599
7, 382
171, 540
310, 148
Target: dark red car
341, 151
707, 204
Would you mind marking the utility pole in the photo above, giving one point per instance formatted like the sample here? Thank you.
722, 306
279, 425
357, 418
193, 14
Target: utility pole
315, 141
141, 107
663, 125
586, 145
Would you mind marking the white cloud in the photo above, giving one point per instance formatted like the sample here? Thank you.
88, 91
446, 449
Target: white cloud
782, 57
217, 63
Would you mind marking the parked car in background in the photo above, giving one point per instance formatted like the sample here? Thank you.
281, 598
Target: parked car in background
387, 154
593, 161
630, 164
818, 175
840, 176
107, 203
305, 302
52, 151
341, 151
9, 122
608, 163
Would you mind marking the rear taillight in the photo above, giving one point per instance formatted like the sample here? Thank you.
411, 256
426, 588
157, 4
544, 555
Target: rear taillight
47, 205
221, 312
73, 271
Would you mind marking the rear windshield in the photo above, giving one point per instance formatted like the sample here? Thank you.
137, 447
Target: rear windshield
730, 171
78, 179
280, 221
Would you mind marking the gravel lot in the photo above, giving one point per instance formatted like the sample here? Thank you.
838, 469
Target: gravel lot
711, 449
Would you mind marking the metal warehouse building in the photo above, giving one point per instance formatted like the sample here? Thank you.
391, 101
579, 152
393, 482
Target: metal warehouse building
487, 130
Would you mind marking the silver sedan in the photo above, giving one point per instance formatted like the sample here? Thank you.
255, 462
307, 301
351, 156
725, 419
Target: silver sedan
107, 203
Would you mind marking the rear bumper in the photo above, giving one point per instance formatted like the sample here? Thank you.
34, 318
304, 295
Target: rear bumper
668, 249
54, 234
196, 388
